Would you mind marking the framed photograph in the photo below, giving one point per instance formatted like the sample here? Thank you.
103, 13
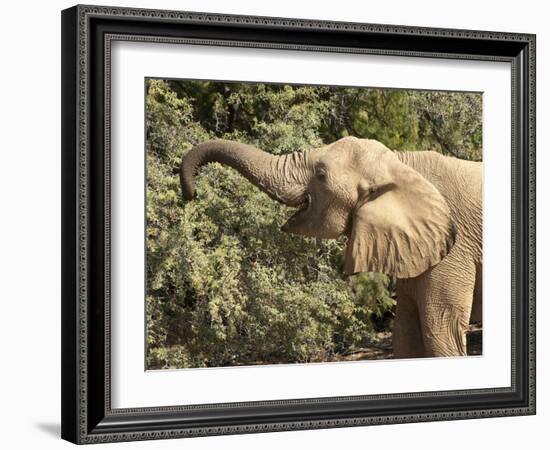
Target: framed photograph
280, 224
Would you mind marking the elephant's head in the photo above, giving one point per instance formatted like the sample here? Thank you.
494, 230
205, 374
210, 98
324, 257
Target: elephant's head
396, 221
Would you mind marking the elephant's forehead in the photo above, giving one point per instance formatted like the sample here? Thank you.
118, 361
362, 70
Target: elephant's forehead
336, 154
351, 151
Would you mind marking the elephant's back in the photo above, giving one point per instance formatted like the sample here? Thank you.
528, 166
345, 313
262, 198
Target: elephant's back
462, 187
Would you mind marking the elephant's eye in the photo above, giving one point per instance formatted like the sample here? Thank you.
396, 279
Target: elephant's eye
321, 175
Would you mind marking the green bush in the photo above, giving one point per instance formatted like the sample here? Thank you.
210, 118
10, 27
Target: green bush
224, 285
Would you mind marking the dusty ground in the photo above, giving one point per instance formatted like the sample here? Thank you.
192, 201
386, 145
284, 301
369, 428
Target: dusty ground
381, 348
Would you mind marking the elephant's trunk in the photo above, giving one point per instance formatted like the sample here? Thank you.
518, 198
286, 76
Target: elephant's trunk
283, 177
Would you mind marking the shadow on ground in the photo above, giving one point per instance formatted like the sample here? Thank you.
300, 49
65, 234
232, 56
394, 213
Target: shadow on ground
53, 429
381, 348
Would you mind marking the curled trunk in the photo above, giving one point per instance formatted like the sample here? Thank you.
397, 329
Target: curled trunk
283, 177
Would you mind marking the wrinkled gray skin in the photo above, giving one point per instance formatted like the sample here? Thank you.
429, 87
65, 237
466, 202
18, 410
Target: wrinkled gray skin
415, 215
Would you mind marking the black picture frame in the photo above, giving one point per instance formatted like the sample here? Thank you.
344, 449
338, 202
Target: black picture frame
87, 32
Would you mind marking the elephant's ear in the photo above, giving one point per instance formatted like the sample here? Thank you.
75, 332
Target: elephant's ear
400, 226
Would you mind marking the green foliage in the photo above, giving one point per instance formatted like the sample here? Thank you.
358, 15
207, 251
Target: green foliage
224, 285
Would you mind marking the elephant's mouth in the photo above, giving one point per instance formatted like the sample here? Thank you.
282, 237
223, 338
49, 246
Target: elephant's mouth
303, 208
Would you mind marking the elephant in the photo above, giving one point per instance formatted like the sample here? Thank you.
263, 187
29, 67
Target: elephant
414, 215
